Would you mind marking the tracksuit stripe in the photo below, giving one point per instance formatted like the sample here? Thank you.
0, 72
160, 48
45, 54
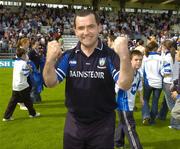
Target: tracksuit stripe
130, 131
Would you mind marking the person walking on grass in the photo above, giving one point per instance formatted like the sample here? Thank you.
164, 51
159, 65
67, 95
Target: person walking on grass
151, 67
126, 103
91, 70
21, 88
23, 43
168, 59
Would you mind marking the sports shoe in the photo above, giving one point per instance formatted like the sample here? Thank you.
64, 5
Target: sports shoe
170, 127
7, 119
36, 115
22, 106
146, 121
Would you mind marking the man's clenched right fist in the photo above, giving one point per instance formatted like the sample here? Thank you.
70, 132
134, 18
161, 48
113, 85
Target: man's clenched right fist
53, 51
121, 45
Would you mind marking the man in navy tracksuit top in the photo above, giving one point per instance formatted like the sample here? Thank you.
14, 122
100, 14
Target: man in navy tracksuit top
91, 70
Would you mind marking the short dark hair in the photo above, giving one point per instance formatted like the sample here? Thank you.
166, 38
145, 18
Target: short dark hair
20, 52
135, 52
83, 13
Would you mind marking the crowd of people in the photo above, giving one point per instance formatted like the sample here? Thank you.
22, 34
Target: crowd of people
42, 22
158, 71
97, 71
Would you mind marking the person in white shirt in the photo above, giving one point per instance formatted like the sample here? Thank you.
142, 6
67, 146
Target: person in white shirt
23, 43
151, 67
168, 58
20, 86
126, 103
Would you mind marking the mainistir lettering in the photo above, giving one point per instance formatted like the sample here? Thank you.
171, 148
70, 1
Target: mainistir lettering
87, 74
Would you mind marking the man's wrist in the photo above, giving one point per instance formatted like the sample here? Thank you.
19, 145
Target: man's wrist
51, 62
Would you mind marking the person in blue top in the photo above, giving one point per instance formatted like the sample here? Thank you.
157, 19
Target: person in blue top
91, 70
35, 58
126, 103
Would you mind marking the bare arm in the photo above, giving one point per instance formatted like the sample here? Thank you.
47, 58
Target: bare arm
49, 74
141, 97
126, 72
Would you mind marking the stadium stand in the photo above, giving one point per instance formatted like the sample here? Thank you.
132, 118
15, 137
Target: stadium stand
40, 21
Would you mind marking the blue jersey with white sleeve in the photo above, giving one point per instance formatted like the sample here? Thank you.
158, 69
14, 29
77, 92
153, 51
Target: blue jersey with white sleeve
90, 81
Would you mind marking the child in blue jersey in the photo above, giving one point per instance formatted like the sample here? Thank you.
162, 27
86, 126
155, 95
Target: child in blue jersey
126, 103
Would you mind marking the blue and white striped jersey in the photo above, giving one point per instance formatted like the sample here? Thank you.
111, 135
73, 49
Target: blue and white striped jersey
167, 66
126, 99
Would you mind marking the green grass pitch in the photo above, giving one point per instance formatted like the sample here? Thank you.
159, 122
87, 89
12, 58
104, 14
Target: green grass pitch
46, 132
